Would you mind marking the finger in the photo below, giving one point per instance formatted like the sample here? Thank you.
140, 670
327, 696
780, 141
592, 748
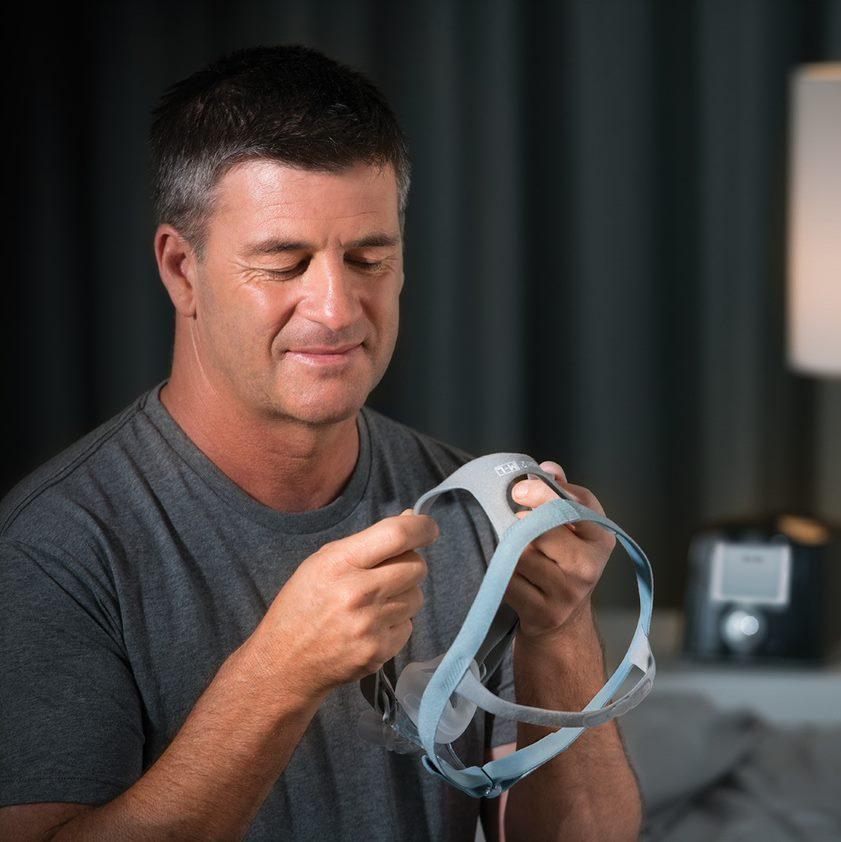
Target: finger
537, 495
535, 492
555, 469
394, 575
532, 492
524, 598
542, 572
558, 545
585, 497
560, 564
386, 539
561, 478
401, 606
587, 529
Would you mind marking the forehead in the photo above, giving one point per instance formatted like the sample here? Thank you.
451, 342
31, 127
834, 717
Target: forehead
267, 197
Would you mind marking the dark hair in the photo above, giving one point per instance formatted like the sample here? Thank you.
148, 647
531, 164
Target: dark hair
286, 103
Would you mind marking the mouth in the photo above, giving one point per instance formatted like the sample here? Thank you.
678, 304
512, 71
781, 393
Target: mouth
325, 356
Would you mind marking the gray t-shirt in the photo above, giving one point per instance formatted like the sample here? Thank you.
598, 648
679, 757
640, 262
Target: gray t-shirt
131, 567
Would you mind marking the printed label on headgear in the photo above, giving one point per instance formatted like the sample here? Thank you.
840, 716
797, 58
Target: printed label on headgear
512, 466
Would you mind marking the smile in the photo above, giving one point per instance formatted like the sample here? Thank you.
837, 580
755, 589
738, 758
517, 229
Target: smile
325, 359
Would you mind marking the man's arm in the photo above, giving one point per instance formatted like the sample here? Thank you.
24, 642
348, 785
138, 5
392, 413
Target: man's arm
210, 781
589, 791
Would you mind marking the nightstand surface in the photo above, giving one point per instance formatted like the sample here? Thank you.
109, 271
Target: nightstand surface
791, 695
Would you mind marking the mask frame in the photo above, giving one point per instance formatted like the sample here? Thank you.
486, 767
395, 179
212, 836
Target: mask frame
487, 632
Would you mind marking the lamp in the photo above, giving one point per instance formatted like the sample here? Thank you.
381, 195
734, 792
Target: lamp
814, 253
794, 557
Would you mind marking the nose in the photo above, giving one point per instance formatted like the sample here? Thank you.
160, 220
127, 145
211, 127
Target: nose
331, 295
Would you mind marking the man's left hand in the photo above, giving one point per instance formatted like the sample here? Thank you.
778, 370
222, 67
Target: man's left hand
557, 571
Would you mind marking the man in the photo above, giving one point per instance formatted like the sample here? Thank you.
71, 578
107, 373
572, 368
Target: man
193, 591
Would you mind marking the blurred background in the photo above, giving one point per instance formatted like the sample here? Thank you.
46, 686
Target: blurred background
596, 238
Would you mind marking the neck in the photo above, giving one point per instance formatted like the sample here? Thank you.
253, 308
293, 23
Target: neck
287, 465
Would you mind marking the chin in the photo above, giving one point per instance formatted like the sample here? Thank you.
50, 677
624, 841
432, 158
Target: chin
325, 416
323, 410
323, 401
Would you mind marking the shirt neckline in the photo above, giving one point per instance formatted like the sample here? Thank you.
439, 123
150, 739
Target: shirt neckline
315, 520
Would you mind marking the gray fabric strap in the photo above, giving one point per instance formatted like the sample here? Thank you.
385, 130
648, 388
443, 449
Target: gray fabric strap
473, 477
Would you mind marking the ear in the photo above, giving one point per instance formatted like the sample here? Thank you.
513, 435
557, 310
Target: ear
177, 267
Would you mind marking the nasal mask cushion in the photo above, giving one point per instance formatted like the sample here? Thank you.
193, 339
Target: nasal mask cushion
433, 702
412, 684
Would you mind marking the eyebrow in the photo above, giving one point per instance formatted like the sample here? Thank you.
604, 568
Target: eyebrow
275, 245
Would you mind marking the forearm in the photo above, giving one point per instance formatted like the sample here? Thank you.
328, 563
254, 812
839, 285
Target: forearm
589, 791
217, 771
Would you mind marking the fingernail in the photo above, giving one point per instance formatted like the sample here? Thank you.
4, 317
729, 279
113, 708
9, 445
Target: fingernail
520, 492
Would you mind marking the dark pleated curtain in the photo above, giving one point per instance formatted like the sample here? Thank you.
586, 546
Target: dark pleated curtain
595, 239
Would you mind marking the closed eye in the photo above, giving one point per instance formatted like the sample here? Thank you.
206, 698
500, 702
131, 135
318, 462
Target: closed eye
362, 265
289, 273
368, 265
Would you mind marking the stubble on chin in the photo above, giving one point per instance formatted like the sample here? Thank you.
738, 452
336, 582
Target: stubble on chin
313, 399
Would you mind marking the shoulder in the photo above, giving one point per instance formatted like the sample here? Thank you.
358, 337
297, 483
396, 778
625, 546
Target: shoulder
58, 534
400, 444
77, 481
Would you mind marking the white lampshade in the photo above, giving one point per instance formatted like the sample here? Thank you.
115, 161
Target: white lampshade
814, 247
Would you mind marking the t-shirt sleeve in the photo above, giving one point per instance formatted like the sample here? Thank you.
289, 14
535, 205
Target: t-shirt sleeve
70, 713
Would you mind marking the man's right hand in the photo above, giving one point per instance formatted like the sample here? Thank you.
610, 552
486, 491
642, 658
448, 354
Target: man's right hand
346, 610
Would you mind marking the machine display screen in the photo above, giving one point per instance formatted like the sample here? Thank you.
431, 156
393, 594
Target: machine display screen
757, 573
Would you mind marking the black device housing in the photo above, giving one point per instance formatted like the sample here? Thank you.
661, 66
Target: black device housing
807, 629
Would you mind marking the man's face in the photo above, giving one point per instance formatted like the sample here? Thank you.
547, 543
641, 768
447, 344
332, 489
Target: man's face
296, 261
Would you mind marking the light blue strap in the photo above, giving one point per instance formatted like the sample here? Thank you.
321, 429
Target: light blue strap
489, 480
498, 775
477, 693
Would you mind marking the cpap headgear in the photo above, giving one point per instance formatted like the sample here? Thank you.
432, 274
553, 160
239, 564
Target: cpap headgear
434, 701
